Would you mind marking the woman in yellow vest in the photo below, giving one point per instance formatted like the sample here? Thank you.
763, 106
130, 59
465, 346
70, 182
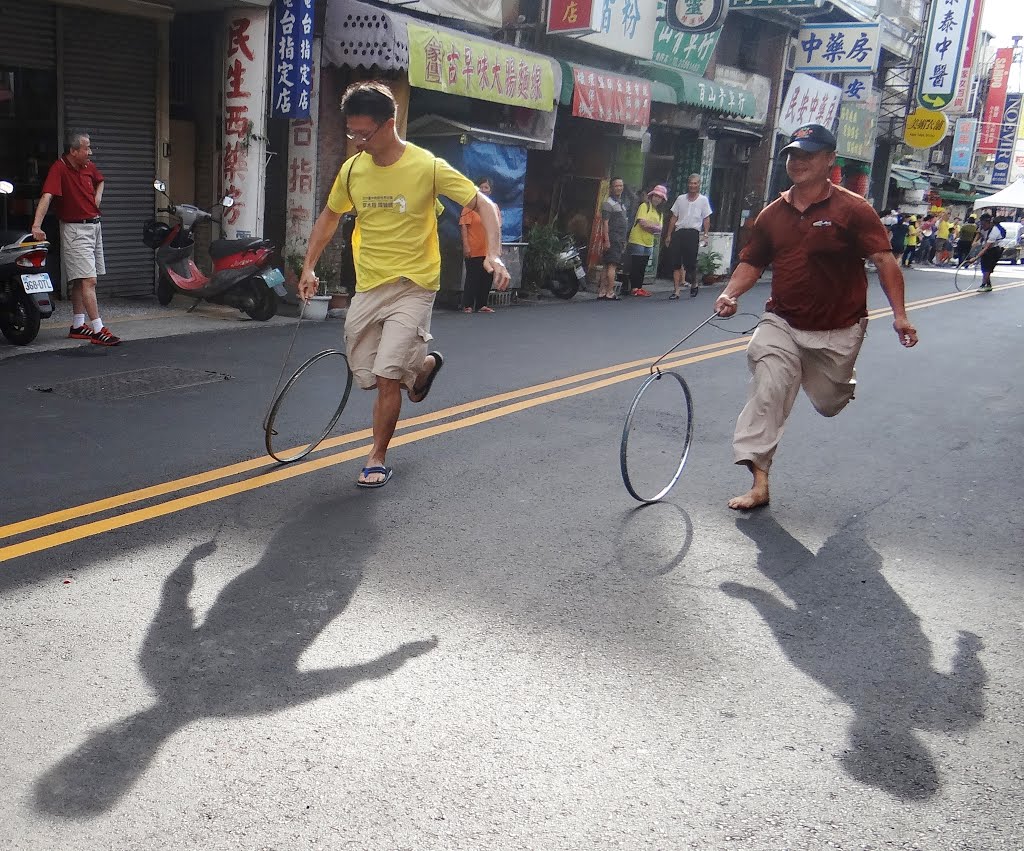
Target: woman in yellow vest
913, 235
647, 226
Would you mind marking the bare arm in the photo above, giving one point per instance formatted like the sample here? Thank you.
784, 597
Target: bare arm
488, 212
707, 227
99, 193
891, 279
324, 228
743, 278
41, 209
671, 229
465, 239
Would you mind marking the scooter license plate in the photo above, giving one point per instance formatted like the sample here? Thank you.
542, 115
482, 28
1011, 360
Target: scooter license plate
580, 273
273, 277
37, 283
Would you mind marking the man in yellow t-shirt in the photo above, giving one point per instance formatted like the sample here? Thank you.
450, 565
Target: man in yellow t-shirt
392, 185
943, 246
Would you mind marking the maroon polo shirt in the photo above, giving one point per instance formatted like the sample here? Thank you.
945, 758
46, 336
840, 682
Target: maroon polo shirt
75, 188
817, 258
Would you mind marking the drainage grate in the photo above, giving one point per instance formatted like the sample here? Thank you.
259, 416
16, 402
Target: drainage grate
497, 299
137, 382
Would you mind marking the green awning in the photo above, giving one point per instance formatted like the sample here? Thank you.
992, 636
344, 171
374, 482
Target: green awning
967, 187
909, 180
660, 92
693, 90
950, 195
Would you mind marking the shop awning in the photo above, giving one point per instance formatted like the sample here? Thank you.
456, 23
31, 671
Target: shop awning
608, 95
440, 126
660, 92
909, 179
953, 195
694, 90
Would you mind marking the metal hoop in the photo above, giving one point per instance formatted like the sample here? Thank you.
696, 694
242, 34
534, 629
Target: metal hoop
624, 446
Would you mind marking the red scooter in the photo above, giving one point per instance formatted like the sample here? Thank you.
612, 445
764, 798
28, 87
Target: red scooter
242, 274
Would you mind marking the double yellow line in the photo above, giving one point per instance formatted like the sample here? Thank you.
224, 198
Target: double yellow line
409, 431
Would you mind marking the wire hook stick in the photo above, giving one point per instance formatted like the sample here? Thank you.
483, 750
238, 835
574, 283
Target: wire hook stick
711, 318
284, 366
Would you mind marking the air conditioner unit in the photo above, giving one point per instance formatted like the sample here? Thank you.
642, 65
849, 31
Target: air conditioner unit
938, 156
793, 54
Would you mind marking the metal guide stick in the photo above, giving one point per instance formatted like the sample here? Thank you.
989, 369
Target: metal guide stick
284, 366
712, 317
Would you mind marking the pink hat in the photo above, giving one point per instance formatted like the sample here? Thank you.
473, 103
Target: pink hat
660, 190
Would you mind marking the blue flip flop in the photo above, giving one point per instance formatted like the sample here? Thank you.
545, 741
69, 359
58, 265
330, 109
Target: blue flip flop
425, 389
369, 471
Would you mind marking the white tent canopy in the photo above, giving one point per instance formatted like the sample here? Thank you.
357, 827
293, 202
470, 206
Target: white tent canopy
1011, 196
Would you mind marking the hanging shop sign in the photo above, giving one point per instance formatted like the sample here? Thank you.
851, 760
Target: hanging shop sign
925, 128
695, 16
967, 64
992, 117
458, 64
245, 95
964, 135
301, 174
857, 87
625, 26
600, 96
293, 59
572, 17
943, 52
838, 47
687, 51
809, 101
855, 138
1007, 140
774, 4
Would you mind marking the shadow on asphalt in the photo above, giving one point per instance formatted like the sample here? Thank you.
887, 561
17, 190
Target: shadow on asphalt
242, 660
849, 630
653, 539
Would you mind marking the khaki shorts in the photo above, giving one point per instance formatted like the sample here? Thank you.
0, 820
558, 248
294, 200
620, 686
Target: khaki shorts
386, 332
81, 251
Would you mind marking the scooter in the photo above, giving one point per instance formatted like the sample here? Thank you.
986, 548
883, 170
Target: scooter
242, 274
25, 286
567, 273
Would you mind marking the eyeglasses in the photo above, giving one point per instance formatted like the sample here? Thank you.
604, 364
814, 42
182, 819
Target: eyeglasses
362, 138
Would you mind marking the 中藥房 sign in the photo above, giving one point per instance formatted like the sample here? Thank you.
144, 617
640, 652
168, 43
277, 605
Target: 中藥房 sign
601, 96
808, 101
943, 52
964, 135
838, 47
292, 71
925, 128
1007, 140
458, 64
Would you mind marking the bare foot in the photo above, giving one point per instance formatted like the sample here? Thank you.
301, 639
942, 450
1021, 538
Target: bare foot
756, 496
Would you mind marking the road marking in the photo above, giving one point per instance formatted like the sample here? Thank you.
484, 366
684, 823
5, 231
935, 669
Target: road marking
500, 405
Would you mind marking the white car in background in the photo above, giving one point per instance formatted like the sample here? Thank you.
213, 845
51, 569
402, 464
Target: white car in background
1012, 245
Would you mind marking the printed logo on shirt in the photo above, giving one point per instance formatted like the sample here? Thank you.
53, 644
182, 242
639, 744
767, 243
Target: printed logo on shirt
822, 223
385, 202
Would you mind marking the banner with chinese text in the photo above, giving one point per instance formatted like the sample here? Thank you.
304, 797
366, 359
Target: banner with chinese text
855, 138
1007, 140
301, 176
458, 64
683, 50
968, 63
808, 101
293, 59
964, 135
992, 117
600, 96
943, 52
838, 47
625, 26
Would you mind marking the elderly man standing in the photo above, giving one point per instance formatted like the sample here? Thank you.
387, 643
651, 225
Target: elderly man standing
816, 236
77, 184
688, 229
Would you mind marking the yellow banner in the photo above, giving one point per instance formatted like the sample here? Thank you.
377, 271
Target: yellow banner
458, 64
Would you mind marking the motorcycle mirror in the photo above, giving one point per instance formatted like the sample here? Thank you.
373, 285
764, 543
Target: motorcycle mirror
159, 185
227, 201
6, 187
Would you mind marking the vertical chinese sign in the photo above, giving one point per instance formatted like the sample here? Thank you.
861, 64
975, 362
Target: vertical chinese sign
943, 51
244, 143
1007, 140
302, 142
964, 137
968, 64
293, 59
992, 117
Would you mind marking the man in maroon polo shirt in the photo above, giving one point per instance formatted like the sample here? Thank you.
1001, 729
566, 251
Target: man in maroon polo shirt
816, 236
77, 185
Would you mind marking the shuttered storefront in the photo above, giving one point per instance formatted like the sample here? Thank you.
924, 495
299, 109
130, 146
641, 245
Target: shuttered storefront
109, 74
28, 35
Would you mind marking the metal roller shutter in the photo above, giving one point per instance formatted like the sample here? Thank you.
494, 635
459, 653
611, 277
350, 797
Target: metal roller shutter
28, 34
110, 91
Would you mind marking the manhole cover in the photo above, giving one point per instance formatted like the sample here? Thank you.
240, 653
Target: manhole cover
136, 382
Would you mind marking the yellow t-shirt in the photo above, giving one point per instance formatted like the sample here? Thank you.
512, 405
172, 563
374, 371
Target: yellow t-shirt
396, 224
942, 230
646, 212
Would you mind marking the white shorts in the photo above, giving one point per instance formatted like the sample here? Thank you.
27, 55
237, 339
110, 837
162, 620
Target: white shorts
81, 251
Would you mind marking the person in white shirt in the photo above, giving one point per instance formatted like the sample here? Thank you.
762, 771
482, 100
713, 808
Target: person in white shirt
688, 229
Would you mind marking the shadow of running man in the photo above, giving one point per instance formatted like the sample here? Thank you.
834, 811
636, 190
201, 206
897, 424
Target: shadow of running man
242, 660
850, 631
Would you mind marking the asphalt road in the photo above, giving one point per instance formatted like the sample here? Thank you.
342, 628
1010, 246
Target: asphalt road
500, 649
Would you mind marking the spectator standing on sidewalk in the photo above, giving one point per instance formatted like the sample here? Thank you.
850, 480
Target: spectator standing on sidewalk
816, 236
943, 248
477, 286
647, 227
77, 185
926, 253
688, 229
614, 227
898, 231
913, 237
968, 231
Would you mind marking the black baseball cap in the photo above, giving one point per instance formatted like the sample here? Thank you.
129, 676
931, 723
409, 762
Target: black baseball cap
811, 138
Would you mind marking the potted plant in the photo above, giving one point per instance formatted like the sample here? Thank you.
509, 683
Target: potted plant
543, 245
708, 264
316, 307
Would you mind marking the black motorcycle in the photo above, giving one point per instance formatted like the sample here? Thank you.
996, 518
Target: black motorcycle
26, 291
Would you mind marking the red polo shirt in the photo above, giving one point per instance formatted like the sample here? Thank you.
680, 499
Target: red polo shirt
76, 189
817, 258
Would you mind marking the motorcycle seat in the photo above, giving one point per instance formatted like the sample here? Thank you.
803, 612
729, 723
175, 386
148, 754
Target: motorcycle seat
14, 237
226, 247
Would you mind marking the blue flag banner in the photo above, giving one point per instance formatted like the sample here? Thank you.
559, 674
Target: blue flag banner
1007, 139
291, 67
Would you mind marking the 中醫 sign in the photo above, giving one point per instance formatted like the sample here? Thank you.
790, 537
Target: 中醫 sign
600, 96
925, 128
293, 59
808, 101
943, 52
964, 135
1007, 140
458, 64
838, 47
